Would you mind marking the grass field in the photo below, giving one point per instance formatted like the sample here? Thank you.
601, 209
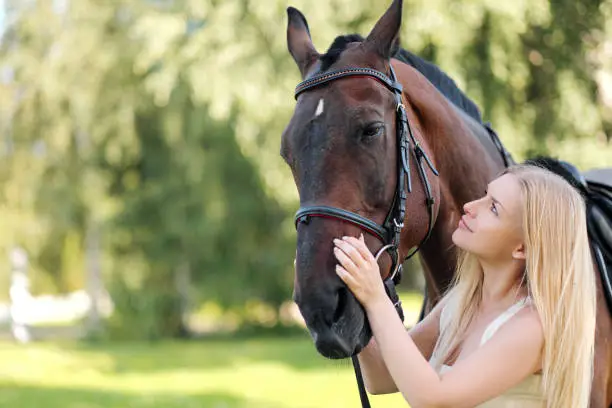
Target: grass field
274, 372
259, 373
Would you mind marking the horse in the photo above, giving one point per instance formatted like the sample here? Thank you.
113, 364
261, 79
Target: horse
368, 116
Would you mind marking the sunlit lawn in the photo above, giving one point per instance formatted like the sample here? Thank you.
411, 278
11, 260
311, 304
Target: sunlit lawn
255, 373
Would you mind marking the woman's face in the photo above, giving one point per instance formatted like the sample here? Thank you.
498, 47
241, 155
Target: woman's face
491, 228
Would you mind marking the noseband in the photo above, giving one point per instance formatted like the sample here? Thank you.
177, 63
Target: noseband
389, 232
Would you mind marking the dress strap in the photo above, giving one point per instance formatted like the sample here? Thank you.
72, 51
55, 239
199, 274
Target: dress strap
501, 319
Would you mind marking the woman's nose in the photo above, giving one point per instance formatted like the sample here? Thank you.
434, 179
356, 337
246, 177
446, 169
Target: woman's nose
466, 208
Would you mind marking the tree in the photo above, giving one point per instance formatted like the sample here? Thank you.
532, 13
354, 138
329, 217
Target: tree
155, 127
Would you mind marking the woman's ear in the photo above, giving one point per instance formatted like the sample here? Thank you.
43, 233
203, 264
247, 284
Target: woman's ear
519, 252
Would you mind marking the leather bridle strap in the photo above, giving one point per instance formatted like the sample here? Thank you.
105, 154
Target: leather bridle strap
324, 211
321, 79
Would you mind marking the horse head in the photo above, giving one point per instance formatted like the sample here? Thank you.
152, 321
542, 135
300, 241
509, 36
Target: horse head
342, 147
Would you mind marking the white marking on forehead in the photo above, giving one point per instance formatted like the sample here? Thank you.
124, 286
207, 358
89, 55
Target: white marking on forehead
319, 108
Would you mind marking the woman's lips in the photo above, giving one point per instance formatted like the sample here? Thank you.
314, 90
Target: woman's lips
463, 224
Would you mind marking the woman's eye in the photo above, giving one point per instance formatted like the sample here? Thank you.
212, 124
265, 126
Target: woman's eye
493, 208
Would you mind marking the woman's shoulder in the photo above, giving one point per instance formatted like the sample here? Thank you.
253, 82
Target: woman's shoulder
524, 323
529, 315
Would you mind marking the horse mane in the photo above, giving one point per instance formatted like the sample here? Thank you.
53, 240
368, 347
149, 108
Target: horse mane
443, 83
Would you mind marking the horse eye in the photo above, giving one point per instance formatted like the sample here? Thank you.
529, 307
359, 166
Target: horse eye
373, 130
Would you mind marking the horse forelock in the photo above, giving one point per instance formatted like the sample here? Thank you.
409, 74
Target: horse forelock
337, 47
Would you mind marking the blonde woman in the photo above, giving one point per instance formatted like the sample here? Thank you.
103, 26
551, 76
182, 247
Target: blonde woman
516, 329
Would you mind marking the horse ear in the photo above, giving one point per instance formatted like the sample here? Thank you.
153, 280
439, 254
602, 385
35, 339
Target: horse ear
384, 37
299, 41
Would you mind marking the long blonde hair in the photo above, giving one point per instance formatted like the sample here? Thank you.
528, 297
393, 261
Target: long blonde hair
560, 280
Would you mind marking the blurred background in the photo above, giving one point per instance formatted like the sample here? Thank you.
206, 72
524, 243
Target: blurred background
146, 217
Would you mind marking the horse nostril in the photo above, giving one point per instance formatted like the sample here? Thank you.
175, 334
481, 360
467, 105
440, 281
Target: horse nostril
342, 298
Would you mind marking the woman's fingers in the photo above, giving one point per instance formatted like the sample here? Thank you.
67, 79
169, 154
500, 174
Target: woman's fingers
345, 261
358, 269
345, 276
361, 247
350, 251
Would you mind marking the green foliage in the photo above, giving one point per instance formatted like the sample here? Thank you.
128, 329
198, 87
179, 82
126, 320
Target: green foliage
160, 122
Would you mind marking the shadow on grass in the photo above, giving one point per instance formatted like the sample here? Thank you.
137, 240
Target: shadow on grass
36, 397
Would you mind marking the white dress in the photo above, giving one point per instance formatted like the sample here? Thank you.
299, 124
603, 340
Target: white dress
528, 393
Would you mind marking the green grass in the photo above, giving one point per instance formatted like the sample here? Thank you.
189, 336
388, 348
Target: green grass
266, 373
224, 372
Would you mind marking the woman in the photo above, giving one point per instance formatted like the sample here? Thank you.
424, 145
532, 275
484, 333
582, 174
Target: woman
516, 329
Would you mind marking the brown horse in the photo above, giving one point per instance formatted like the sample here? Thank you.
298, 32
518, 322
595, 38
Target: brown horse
364, 123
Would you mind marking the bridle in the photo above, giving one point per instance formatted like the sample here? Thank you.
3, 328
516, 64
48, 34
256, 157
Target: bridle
389, 232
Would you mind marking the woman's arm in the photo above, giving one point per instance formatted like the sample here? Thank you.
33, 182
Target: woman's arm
509, 357
375, 374
424, 334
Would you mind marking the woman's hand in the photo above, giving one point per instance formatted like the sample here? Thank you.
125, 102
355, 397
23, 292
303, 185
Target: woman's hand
359, 270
